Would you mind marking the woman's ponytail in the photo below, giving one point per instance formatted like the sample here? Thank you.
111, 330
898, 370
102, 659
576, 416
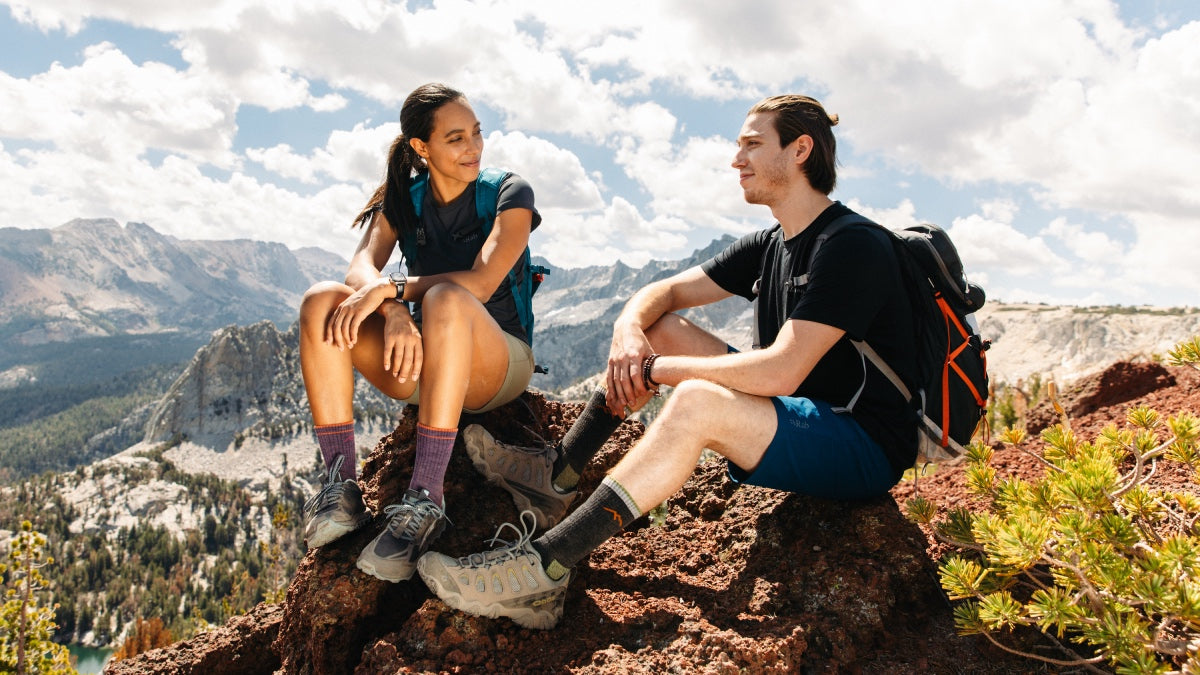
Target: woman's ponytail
416, 121
392, 197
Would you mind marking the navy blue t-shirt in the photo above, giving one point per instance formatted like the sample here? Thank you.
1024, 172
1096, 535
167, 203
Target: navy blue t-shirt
854, 285
454, 237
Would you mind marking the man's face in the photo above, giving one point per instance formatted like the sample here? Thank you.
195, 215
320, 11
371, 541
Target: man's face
764, 168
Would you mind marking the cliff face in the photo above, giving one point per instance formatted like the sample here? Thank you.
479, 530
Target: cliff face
1071, 342
241, 379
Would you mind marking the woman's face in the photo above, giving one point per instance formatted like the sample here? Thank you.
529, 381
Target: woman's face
456, 143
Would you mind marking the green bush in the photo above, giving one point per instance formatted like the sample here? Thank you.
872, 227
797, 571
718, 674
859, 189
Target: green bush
1101, 563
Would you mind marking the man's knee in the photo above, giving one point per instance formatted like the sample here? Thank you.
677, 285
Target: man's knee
695, 405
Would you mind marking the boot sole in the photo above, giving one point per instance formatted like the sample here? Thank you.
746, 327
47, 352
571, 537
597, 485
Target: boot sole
331, 530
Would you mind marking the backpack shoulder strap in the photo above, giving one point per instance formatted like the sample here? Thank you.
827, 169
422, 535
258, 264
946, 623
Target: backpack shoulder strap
412, 238
831, 229
487, 196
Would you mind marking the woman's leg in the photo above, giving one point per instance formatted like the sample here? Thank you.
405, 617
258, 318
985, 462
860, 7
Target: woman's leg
329, 374
465, 361
337, 508
465, 358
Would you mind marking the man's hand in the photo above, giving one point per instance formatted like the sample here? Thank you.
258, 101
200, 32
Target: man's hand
629, 349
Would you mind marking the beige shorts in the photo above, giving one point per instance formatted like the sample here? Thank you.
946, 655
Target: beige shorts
520, 370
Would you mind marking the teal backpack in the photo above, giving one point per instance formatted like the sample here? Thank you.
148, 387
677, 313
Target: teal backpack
487, 194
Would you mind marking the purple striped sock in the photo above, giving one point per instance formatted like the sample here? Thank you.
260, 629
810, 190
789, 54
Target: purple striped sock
334, 440
434, 446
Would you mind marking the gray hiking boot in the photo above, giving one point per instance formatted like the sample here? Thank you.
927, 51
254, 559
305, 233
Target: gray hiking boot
525, 472
412, 525
336, 510
507, 581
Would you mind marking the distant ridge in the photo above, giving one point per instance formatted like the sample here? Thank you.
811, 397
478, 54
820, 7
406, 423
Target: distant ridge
98, 278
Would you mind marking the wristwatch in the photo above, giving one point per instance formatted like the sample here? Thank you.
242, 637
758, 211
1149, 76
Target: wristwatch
399, 281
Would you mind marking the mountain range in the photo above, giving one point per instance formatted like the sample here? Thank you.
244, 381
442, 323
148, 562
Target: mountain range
189, 350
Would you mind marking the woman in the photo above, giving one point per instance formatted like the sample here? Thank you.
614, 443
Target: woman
462, 347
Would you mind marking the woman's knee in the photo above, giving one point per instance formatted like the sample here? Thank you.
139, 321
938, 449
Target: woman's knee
321, 298
447, 301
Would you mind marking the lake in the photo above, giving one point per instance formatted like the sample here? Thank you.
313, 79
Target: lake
90, 660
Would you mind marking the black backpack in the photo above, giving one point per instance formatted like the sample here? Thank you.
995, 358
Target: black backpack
952, 386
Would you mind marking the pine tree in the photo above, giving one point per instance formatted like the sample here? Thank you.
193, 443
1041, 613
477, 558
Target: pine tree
26, 625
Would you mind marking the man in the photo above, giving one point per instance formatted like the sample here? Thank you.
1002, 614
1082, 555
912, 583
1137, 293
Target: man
776, 413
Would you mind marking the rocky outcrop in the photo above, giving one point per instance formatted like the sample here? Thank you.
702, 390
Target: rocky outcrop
749, 580
241, 647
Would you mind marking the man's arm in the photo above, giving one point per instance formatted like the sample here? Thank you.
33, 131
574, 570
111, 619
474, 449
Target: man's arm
630, 346
777, 370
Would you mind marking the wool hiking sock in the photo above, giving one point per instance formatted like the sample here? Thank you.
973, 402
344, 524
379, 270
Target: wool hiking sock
606, 512
434, 446
334, 440
583, 440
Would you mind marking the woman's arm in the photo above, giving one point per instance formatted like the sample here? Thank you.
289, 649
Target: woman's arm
372, 291
501, 250
373, 252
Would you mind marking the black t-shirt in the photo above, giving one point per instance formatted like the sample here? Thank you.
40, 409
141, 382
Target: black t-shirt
454, 237
854, 285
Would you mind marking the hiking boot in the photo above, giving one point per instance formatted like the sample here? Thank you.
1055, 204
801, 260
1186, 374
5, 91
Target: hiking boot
525, 472
507, 581
334, 511
412, 525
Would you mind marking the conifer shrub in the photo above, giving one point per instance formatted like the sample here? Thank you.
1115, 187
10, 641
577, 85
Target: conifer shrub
1102, 563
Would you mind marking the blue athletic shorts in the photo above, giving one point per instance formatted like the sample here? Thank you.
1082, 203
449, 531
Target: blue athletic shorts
820, 453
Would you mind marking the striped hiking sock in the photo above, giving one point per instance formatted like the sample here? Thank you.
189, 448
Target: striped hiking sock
434, 446
606, 512
334, 440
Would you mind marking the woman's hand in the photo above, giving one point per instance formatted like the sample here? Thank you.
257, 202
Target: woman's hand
342, 327
626, 387
402, 348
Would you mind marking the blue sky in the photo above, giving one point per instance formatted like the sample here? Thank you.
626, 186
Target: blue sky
1058, 141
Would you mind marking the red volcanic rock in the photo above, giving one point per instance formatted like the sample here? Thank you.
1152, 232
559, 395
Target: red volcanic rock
241, 647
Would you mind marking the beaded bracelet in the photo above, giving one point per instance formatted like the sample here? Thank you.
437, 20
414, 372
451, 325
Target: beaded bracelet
647, 366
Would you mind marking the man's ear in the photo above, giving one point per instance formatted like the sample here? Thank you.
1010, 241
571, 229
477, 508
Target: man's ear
802, 148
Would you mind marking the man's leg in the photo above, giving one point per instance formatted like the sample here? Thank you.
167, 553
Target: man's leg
672, 334
544, 480
698, 415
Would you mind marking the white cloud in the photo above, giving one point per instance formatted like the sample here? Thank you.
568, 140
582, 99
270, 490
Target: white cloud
556, 174
1057, 101
571, 239
355, 156
898, 217
109, 107
988, 246
1095, 248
